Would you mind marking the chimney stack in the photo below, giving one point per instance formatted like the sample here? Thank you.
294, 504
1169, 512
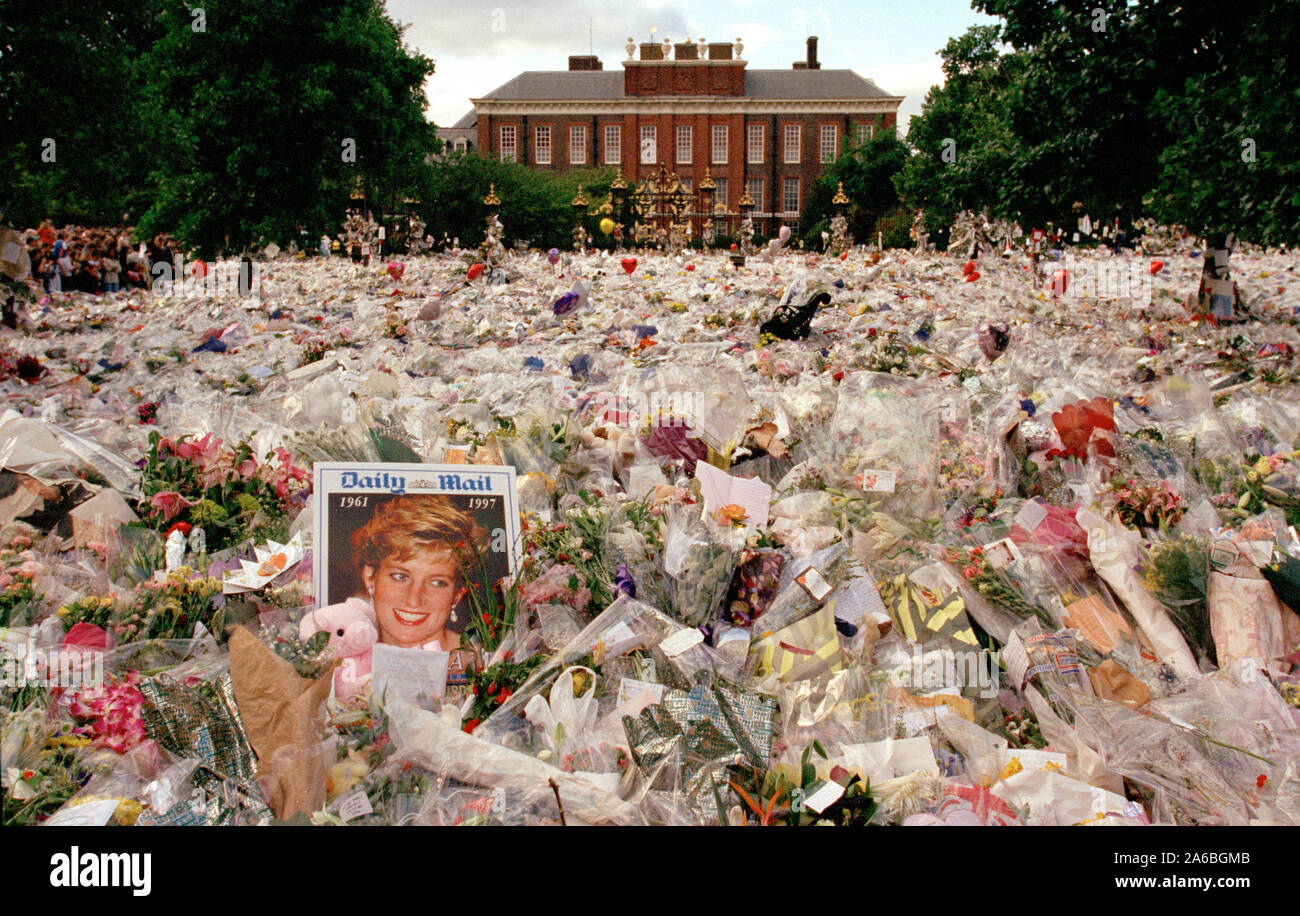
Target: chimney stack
812, 53
584, 62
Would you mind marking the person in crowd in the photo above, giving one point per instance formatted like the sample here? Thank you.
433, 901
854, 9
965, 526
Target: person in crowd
137, 268
112, 272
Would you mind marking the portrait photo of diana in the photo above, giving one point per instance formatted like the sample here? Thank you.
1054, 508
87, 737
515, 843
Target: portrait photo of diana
416, 557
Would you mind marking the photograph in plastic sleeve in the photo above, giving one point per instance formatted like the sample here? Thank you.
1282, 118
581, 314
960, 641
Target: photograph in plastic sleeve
421, 544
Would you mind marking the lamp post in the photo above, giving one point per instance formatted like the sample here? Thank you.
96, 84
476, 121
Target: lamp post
746, 232
708, 187
681, 218
492, 249
840, 240
579, 204
618, 192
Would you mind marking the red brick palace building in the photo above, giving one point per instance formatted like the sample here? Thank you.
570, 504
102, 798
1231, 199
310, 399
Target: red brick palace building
690, 107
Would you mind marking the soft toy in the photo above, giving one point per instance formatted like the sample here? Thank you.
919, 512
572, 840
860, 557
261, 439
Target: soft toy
353, 635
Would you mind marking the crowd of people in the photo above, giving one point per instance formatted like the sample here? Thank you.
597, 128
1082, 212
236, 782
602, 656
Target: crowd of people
97, 260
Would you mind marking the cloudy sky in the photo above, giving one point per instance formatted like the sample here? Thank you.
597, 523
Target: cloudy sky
480, 44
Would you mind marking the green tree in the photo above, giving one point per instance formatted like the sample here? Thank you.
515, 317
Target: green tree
1145, 108
1231, 164
273, 109
962, 140
536, 207
867, 172
72, 114
1080, 108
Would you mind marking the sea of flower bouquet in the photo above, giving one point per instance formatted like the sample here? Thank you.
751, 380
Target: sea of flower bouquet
1037, 586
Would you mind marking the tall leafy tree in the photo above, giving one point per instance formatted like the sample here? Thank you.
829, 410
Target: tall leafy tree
867, 172
77, 139
1231, 164
1080, 109
962, 140
1150, 108
273, 109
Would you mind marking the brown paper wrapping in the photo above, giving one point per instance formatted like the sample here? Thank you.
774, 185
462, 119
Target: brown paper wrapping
1111, 682
1245, 618
1114, 550
1097, 623
284, 716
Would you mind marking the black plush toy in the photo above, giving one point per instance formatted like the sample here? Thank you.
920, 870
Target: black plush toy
793, 322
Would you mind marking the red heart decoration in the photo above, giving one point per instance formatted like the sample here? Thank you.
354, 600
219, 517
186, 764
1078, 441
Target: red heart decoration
1156, 267
972, 276
474, 271
845, 256
968, 268
690, 266
629, 265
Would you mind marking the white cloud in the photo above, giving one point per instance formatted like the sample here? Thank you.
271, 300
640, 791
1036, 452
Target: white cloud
473, 59
910, 80
756, 37
480, 44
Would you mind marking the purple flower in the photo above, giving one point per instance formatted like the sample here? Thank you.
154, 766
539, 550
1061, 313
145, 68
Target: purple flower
218, 567
675, 442
623, 581
565, 303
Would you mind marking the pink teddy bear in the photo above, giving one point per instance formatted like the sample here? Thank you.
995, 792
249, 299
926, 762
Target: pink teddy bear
353, 635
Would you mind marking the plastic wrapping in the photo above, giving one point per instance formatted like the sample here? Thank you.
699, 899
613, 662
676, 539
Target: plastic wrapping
1114, 553
960, 469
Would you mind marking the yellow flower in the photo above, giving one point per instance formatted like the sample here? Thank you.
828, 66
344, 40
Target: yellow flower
128, 809
67, 741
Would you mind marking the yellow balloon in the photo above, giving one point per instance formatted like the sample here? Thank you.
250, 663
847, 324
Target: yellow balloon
607, 225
